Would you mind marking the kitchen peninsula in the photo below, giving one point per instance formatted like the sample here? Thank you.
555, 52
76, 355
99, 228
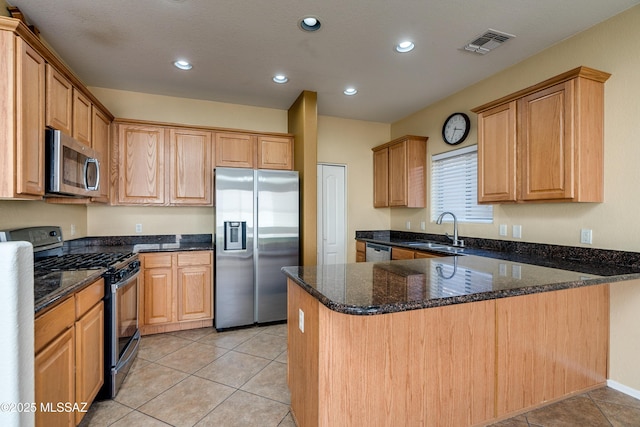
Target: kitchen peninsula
460, 340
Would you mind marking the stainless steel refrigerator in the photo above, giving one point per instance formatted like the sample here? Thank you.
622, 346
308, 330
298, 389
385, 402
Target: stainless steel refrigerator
257, 233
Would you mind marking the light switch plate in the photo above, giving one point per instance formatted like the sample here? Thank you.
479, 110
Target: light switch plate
408, 225
503, 229
301, 320
586, 236
138, 228
517, 231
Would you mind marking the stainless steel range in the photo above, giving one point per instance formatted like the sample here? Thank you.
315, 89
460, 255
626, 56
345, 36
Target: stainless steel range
122, 336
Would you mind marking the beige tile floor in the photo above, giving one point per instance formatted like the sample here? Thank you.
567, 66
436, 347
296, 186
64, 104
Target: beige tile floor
238, 378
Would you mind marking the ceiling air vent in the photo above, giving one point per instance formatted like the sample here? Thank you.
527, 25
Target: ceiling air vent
488, 41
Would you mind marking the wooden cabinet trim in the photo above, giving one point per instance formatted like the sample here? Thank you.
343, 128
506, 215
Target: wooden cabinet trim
584, 72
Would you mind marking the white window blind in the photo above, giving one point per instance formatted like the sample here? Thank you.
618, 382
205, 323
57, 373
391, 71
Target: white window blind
454, 186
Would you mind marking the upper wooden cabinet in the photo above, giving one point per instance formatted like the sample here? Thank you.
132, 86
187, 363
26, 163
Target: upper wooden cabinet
399, 172
191, 169
81, 117
544, 143
100, 137
141, 160
22, 94
59, 101
275, 152
143, 176
235, 150
238, 150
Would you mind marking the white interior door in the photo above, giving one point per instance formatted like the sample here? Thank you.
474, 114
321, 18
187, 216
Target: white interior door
332, 214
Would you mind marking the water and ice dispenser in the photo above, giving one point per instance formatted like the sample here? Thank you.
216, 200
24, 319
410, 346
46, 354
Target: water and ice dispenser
235, 235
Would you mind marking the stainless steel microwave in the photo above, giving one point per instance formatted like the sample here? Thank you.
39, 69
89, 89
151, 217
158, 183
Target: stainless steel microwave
72, 168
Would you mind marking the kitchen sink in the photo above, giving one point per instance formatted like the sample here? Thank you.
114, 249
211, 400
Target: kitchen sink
435, 246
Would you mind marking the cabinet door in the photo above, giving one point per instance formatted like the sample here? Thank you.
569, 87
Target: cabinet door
194, 293
398, 174
235, 150
59, 101
418, 255
381, 178
141, 153
30, 112
547, 143
275, 153
89, 355
81, 117
54, 380
100, 132
191, 167
158, 296
497, 154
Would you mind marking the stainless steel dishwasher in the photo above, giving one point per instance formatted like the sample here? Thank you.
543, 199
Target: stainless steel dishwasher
377, 252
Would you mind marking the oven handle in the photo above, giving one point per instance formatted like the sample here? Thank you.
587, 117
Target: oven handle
122, 284
131, 352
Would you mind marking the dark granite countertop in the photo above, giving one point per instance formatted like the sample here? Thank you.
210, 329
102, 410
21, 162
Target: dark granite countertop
152, 243
368, 288
50, 288
485, 269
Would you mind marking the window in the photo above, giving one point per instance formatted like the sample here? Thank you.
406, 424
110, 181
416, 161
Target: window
454, 186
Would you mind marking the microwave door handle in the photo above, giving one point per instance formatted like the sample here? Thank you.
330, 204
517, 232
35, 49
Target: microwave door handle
86, 174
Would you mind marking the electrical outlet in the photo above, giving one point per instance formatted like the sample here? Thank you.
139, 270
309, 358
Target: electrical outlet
503, 229
408, 225
423, 226
73, 229
138, 228
586, 236
517, 231
516, 272
301, 320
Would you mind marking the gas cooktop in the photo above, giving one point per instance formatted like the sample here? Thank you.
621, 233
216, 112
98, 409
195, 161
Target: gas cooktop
81, 261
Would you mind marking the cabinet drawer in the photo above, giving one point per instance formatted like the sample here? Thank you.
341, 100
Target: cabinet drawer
156, 260
194, 258
54, 322
397, 253
89, 296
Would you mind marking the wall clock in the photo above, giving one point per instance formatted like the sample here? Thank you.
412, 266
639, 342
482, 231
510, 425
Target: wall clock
456, 128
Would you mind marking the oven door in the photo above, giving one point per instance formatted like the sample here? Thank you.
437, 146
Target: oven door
126, 337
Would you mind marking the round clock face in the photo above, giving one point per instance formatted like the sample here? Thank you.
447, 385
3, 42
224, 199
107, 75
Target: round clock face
456, 128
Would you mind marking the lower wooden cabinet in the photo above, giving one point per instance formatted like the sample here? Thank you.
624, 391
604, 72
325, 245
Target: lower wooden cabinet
176, 291
361, 251
69, 359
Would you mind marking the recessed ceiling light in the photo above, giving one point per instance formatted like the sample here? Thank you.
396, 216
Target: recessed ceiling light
183, 65
405, 46
309, 23
350, 91
280, 78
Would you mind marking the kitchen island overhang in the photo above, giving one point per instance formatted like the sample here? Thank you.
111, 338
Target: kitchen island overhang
455, 340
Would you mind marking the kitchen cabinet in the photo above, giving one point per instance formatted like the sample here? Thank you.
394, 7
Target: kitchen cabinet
235, 150
141, 165
191, 170
401, 180
59, 100
69, 355
238, 150
100, 139
81, 118
22, 89
275, 152
361, 251
177, 291
544, 143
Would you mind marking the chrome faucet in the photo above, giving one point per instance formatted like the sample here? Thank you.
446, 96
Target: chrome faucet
453, 239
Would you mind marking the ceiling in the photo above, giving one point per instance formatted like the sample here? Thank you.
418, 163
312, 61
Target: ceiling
236, 46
